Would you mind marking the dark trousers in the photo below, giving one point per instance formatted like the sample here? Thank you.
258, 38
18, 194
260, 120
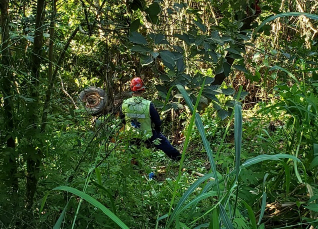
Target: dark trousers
164, 145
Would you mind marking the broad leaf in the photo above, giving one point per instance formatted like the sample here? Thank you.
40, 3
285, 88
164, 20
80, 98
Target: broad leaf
219, 69
153, 9
145, 60
316, 150
137, 38
200, 25
314, 163
240, 68
185, 37
312, 207
214, 56
140, 49
227, 68
180, 65
167, 58
228, 91
135, 25
158, 38
232, 50
216, 38
223, 114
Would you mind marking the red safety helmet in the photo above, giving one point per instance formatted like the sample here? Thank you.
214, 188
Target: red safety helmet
136, 84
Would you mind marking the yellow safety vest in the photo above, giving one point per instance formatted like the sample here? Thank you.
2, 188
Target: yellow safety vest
137, 117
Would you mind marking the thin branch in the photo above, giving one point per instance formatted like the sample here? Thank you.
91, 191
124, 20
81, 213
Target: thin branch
66, 93
51, 83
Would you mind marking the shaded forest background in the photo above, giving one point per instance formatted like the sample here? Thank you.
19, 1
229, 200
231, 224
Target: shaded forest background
258, 58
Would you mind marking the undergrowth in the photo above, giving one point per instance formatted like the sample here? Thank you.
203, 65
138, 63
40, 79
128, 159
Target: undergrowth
263, 174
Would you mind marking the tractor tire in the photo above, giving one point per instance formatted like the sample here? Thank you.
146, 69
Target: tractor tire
94, 99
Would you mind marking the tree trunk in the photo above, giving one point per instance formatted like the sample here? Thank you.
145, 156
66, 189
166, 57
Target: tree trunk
10, 167
34, 156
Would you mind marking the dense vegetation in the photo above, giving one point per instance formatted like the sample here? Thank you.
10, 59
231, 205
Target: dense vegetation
235, 82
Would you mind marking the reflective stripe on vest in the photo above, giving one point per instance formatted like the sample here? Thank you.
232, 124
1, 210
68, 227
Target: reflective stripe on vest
137, 116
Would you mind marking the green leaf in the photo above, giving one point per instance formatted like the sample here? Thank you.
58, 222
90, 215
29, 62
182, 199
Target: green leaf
219, 69
98, 176
227, 68
284, 70
198, 199
178, 49
61, 218
183, 226
214, 56
164, 77
162, 217
226, 38
29, 38
135, 25
214, 223
43, 201
167, 58
235, 56
137, 38
213, 89
201, 130
314, 163
242, 95
216, 38
238, 137
312, 207
94, 202
226, 220
266, 157
316, 150
154, 19
190, 190
161, 88
178, 6
263, 206
209, 80
250, 214
232, 50
287, 175
153, 9
289, 14
223, 114
180, 65
228, 91
185, 37
145, 60
158, 38
177, 55
240, 68
140, 49
200, 25
111, 198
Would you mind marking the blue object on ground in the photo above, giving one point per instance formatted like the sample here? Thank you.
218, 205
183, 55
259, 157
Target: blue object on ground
151, 175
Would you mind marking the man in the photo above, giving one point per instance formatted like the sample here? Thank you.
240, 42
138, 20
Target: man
142, 120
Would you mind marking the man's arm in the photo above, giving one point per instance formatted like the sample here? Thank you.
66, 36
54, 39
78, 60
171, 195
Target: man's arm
155, 118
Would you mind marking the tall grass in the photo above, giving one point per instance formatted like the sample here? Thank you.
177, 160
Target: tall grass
222, 212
